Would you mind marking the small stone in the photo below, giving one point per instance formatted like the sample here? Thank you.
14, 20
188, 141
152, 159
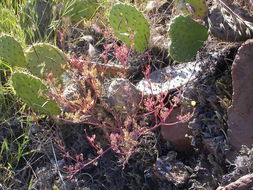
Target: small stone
152, 5
71, 91
240, 114
91, 50
177, 134
123, 96
87, 38
15, 122
169, 169
34, 129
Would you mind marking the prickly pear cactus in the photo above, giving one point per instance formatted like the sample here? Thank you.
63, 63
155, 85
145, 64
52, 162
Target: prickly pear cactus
11, 52
130, 26
79, 9
195, 8
31, 91
45, 58
187, 37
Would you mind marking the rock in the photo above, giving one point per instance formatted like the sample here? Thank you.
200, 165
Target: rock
71, 91
88, 38
211, 145
242, 165
122, 96
229, 22
91, 50
243, 183
169, 169
240, 114
153, 5
169, 78
176, 134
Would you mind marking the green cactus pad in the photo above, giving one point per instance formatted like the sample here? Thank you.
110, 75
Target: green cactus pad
78, 9
195, 8
11, 52
45, 58
187, 37
30, 89
130, 26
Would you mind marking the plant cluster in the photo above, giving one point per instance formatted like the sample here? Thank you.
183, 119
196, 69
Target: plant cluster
39, 72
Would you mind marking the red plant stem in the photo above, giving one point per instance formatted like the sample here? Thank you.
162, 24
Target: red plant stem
88, 163
102, 126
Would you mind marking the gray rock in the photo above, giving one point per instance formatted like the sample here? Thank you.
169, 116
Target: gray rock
168, 168
122, 96
71, 90
169, 78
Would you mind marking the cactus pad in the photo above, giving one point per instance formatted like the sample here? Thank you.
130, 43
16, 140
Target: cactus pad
45, 58
195, 8
79, 9
30, 89
11, 52
130, 26
187, 37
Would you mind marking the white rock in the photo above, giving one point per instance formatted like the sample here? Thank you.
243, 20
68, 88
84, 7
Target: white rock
169, 78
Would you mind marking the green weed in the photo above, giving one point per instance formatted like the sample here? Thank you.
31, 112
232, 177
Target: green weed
14, 146
9, 23
14, 5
